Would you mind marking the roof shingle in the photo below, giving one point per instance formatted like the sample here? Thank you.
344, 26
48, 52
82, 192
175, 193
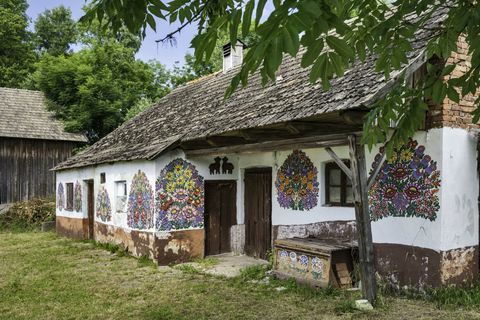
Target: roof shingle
24, 115
198, 109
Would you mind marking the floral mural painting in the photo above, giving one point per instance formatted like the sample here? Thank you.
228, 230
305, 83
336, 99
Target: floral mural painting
60, 197
140, 202
77, 197
407, 184
104, 208
296, 183
179, 195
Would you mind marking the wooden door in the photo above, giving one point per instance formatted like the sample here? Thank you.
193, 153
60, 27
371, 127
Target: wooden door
220, 215
90, 208
258, 212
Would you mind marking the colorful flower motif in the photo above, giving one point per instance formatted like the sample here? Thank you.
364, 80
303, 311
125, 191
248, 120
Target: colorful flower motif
406, 186
317, 264
296, 183
77, 197
303, 260
293, 256
283, 255
179, 195
104, 208
60, 197
140, 202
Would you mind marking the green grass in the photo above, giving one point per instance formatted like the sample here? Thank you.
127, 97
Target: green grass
207, 262
46, 277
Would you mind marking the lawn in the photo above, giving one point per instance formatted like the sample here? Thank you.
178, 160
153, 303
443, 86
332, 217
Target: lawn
43, 276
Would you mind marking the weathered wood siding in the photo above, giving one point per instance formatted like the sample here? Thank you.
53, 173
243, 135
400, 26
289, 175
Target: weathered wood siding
25, 167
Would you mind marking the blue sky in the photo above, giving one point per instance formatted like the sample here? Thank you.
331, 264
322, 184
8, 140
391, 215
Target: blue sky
166, 54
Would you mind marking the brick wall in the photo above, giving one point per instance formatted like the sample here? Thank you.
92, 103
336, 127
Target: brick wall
452, 114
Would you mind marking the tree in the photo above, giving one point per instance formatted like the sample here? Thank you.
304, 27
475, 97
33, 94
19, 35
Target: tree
93, 89
55, 31
378, 28
17, 57
191, 70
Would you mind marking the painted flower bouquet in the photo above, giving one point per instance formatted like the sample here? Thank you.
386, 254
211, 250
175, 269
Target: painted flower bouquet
104, 208
179, 197
296, 183
140, 203
77, 197
60, 197
407, 184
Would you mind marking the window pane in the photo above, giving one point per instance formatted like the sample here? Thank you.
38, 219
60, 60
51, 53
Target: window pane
335, 177
334, 194
349, 198
69, 196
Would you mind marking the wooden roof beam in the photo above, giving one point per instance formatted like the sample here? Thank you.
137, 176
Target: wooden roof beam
320, 141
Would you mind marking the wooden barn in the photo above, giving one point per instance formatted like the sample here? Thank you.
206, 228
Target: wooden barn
32, 142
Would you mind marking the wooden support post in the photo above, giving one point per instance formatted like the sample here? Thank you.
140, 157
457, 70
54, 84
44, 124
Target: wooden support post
364, 230
374, 174
339, 162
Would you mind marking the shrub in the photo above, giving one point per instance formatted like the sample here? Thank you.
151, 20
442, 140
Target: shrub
28, 215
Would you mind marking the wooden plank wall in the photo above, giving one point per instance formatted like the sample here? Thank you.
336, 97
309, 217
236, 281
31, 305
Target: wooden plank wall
25, 167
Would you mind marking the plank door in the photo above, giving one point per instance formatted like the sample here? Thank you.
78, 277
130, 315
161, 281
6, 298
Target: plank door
90, 208
258, 212
220, 215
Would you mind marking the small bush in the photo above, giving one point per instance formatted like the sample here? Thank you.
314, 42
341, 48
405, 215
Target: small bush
28, 215
454, 297
145, 261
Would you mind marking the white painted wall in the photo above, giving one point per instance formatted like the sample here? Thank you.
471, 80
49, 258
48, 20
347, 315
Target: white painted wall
460, 185
113, 172
72, 176
413, 231
454, 150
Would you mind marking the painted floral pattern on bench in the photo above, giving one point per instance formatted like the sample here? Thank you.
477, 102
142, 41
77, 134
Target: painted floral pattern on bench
179, 195
104, 208
60, 197
140, 202
77, 197
296, 183
407, 184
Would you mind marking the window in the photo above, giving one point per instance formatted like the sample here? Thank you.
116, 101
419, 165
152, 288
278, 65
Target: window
120, 196
102, 177
69, 196
338, 187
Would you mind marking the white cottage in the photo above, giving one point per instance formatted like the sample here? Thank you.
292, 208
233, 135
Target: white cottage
195, 175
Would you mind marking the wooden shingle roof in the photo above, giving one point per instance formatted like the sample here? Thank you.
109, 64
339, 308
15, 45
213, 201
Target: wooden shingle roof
198, 109
24, 115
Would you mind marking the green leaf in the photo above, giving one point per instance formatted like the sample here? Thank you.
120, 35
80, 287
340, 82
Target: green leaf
151, 22
452, 94
235, 19
247, 18
259, 12
337, 63
312, 53
341, 47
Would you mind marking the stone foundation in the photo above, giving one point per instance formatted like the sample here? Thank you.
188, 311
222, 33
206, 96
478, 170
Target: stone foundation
344, 230
237, 238
137, 243
179, 246
163, 247
72, 227
418, 268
